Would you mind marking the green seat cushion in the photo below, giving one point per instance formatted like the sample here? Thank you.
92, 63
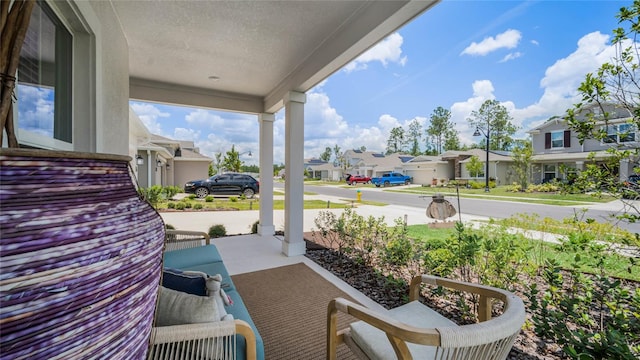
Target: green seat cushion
375, 343
239, 311
183, 258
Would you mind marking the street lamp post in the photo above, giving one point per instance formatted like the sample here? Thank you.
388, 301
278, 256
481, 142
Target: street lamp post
479, 132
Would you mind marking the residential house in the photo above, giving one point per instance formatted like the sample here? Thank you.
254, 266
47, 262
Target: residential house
374, 164
558, 151
162, 161
324, 170
450, 165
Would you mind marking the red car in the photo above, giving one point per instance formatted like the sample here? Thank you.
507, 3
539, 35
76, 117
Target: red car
354, 179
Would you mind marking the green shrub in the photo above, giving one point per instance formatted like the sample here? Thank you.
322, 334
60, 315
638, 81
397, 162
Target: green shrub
171, 205
192, 196
170, 191
169, 227
209, 198
180, 206
216, 231
243, 196
152, 195
198, 206
188, 205
254, 227
233, 199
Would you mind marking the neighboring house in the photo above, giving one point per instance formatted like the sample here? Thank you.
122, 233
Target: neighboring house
431, 170
426, 169
158, 160
324, 170
500, 166
374, 164
558, 152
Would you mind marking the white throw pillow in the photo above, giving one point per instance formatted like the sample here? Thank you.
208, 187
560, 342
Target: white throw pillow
176, 308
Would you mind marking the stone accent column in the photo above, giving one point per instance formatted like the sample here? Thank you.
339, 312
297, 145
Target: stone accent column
265, 226
293, 243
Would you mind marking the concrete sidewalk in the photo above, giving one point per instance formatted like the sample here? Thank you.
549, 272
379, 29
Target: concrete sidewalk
239, 222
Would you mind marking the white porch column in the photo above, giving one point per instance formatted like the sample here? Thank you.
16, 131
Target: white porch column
265, 226
293, 243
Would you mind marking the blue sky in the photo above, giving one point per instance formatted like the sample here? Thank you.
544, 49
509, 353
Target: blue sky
531, 56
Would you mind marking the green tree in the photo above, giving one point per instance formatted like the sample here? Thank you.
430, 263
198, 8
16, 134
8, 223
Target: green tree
340, 160
326, 155
614, 83
475, 167
497, 118
363, 148
440, 126
396, 141
231, 161
414, 135
250, 168
451, 140
521, 155
216, 164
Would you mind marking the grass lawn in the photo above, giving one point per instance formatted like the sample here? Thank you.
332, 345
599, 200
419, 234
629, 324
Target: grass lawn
501, 193
252, 204
537, 252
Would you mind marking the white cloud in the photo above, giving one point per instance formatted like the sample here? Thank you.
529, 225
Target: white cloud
559, 86
149, 115
563, 78
321, 119
186, 134
511, 56
387, 51
508, 40
201, 117
388, 122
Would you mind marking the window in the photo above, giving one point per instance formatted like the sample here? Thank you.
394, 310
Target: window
557, 139
620, 133
44, 79
549, 173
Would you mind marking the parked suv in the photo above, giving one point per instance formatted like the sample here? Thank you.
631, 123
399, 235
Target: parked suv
224, 184
354, 179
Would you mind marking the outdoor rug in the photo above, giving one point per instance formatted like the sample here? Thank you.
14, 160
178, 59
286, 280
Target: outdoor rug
288, 304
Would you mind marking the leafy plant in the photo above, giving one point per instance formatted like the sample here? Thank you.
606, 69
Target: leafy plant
254, 227
208, 198
152, 194
216, 231
198, 206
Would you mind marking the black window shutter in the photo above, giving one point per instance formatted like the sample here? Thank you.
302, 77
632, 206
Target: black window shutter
547, 140
567, 138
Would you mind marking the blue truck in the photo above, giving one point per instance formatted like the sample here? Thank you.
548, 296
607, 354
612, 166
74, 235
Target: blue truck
391, 179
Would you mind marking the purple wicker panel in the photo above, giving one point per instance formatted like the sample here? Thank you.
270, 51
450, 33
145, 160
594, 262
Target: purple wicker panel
80, 258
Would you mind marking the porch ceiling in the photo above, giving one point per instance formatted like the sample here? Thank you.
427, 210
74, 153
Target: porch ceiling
259, 50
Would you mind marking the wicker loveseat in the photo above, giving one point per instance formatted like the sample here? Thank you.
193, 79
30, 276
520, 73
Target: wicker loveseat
414, 331
237, 339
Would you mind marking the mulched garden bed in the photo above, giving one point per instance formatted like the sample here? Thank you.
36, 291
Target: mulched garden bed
392, 294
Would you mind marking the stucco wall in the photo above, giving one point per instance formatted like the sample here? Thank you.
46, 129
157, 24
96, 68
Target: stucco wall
189, 170
112, 81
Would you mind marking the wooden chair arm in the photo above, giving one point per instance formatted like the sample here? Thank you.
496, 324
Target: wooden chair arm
398, 333
486, 293
166, 336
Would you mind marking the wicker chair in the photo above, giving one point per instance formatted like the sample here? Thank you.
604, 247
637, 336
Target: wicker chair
183, 239
204, 340
414, 331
